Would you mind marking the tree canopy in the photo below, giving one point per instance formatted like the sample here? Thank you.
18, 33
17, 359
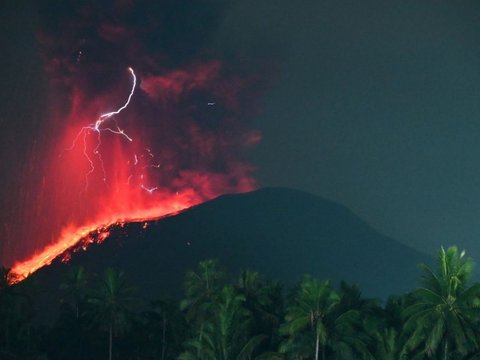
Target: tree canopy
246, 316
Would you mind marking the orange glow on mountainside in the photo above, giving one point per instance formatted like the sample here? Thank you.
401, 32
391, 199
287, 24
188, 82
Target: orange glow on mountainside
142, 147
71, 235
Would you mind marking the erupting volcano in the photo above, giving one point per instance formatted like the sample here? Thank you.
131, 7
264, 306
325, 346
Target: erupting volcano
126, 143
131, 207
107, 176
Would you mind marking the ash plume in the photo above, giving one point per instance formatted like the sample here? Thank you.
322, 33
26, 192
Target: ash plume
189, 119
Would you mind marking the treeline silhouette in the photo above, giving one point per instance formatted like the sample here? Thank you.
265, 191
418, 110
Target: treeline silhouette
247, 317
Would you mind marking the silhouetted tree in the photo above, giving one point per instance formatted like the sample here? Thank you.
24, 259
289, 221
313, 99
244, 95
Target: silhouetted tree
385, 329
17, 334
226, 334
111, 302
160, 332
75, 288
202, 289
264, 299
344, 323
442, 319
72, 335
305, 318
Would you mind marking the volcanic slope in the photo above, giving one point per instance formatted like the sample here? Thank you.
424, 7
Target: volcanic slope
281, 233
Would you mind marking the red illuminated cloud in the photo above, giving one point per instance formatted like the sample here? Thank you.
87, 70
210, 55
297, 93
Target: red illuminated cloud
178, 82
189, 120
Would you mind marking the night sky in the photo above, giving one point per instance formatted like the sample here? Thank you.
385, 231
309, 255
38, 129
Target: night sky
374, 104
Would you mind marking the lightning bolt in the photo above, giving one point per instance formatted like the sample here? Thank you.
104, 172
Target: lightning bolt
104, 117
99, 126
149, 190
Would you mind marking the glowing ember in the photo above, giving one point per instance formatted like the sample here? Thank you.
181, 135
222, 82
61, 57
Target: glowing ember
130, 180
174, 149
72, 236
142, 210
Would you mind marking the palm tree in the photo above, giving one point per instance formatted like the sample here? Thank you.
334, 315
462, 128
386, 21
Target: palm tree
313, 301
201, 290
162, 329
75, 288
441, 319
344, 323
160, 309
111, 301
384, 329
16, 315
226, 335
265, 301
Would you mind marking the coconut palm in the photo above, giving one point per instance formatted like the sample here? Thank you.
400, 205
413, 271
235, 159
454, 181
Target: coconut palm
201, 290
305, 318
265, 301
384, 329
226, 335
160, 311
110, 303
16, 315
162, 329
441, 321
344, 323
74, 288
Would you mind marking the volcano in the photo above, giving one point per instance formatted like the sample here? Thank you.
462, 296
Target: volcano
279, 232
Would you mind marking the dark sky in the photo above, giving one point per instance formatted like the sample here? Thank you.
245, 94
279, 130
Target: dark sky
377, 106
374, 104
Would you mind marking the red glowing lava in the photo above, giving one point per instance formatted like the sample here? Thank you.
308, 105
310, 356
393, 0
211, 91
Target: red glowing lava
71, 235
174, 157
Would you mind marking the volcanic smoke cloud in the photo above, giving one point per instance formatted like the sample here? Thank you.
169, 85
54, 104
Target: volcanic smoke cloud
188, 120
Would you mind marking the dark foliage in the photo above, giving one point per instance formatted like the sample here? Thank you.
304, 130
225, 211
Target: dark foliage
222, 318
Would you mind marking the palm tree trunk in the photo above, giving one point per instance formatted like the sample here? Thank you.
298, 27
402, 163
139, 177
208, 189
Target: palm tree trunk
317, 344
445, 350
200, 339
164, 330
110, 340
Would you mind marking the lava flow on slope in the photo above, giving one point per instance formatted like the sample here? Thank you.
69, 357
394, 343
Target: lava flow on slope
124, 143
80, 237
108, 172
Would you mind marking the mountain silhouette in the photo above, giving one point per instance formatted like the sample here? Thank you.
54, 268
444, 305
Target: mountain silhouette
281, 233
